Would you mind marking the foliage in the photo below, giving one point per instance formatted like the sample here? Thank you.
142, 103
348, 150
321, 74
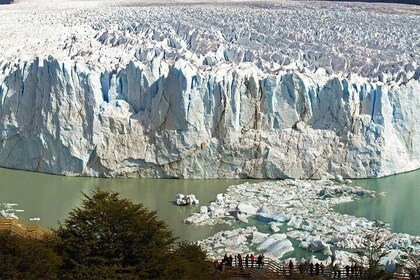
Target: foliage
114, 236
26, 258
106, 238
374, 250
188, 261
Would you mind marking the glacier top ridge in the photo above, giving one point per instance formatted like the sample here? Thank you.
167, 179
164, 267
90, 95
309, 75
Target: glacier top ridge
378, 42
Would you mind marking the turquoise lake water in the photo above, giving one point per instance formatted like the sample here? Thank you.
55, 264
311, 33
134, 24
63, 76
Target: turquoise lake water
51, 198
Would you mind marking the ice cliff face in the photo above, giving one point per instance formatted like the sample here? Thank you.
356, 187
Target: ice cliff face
209, 91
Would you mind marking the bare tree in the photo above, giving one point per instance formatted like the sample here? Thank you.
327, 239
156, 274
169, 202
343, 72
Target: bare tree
411, 261
374, 250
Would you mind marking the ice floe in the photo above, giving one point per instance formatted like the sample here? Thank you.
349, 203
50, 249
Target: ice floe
298, 210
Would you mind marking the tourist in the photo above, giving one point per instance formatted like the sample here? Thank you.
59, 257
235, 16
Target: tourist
252, 260
333, 260
225, 260
302, 268
259, 261
291, 267
317, 268
246, 260
347, 267
311, 269
230, 260
337, 267
262, 261
356, 269
334, 269
240, 260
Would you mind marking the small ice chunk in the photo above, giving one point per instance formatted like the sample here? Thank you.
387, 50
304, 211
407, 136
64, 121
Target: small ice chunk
258, 237
246, 209
294, 222
327, 251
234, 240
8, 215
304, 245
203, 209
196, 218
339, 178
274, 227
279, 248
268, 215
317, 245
242, 217
270, 240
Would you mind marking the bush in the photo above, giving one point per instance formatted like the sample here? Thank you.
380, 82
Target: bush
26, 258
188, 261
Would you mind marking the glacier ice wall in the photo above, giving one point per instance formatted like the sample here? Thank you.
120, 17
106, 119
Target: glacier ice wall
256, 89
172, 120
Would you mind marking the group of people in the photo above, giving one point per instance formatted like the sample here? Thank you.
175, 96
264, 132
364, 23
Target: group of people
249, 261
312, 269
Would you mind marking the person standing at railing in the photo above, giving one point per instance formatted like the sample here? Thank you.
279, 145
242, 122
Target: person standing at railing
240, 261
230, 260
246, 260
291, 267
225, 260
302, 268
252, 260
347, 267
262, 261
259, 261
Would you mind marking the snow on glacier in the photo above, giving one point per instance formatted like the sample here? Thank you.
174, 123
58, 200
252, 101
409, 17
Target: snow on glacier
198, 90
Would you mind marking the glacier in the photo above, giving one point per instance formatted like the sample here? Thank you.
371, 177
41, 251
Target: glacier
199, 90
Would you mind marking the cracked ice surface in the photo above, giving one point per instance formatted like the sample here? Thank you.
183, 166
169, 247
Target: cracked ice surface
199, 90
305, 210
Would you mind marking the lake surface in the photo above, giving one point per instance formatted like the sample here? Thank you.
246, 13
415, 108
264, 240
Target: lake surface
400, 206
51, 198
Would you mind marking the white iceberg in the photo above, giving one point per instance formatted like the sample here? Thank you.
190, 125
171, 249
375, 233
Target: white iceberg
279, 248
186, 199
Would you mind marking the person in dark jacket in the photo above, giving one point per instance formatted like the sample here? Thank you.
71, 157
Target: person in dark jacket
246, 260
259, 261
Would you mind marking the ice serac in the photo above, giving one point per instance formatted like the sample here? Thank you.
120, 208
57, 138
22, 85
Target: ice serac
121, 90
163, 120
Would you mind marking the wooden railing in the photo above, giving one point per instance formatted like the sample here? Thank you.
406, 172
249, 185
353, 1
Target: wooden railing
275, 270
13, 226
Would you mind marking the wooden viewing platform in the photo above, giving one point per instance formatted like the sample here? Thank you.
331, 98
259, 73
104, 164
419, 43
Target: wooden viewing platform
274, 270
14, 227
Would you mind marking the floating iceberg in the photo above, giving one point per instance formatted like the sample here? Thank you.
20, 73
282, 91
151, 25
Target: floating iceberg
186, 199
